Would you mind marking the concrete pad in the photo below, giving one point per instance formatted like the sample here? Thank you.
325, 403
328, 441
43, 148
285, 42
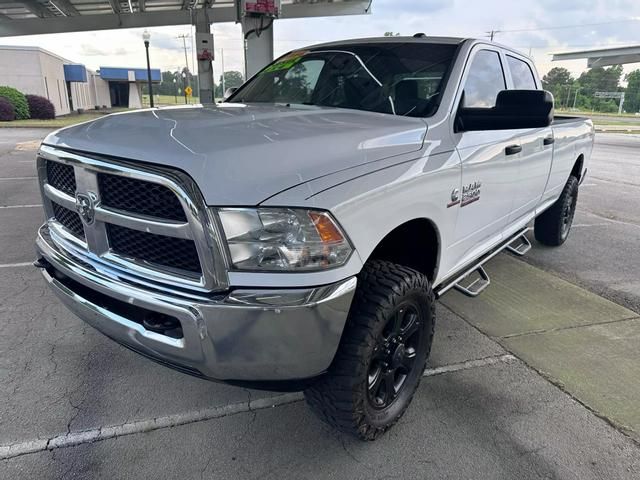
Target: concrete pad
456, 341
18, 227
523, 299
21, 191
17, 164
498, 422
58, 374
600, 365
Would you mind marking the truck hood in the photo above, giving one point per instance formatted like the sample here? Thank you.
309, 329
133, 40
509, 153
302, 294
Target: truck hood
243, 154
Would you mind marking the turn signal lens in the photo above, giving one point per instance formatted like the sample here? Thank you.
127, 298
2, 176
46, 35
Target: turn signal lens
325, 227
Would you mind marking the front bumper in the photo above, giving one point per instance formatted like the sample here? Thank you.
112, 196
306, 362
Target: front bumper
245, 335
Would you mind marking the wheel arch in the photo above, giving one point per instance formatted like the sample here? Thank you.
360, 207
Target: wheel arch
415, 243
577, 169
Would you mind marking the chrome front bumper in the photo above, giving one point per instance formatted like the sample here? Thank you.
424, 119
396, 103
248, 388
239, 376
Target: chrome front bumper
246, 335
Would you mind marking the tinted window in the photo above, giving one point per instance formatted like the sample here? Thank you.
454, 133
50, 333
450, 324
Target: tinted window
521, 74
395, 78
484, 81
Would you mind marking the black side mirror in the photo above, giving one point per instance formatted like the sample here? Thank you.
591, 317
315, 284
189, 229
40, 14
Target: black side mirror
514, 109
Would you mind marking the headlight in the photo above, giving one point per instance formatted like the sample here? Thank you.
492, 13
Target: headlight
283, 239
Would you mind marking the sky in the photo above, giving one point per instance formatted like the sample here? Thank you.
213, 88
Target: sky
535, 27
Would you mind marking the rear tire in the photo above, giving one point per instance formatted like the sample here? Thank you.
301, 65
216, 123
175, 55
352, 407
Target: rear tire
382, 353
552, 227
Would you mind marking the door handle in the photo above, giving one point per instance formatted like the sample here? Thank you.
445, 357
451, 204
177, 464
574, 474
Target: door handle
512, 149
548, 141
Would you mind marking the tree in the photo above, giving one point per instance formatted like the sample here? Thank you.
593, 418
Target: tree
558, 81
232, 78
632, 95
599, 79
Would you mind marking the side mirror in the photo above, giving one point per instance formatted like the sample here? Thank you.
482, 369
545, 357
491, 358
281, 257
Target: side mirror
230, 91
514, 109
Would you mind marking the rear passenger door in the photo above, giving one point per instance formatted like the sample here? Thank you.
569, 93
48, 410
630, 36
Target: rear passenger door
534, 164
489, 161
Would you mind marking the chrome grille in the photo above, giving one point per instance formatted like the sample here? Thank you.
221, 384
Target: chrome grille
69, 219
157, 249
61, 177
151, 224
140, 197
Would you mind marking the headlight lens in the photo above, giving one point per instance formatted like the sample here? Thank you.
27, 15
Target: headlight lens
283, 239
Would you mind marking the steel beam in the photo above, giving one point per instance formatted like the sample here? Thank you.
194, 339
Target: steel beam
66, 7
36, 8
115, 6
218, 14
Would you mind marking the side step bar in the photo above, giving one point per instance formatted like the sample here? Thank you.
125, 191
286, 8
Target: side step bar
520, 246
477, 286
482, 280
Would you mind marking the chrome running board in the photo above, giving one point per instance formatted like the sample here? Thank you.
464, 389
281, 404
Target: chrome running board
474, 288
520, 246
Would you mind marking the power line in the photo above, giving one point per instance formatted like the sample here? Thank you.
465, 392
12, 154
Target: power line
560, 27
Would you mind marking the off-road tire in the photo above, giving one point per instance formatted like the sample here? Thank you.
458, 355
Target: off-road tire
342, 398
552, 227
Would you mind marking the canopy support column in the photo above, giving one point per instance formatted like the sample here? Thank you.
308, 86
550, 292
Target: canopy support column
204, 49
258, 44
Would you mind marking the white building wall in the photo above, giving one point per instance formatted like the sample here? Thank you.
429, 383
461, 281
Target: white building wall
52, 81
98, 90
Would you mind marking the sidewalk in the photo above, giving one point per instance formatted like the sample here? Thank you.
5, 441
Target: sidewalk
586, 345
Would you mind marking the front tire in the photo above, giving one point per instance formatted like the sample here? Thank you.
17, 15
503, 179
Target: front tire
382, 353
552, 227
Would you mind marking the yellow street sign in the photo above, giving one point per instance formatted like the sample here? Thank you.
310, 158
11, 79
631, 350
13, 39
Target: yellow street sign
188, 91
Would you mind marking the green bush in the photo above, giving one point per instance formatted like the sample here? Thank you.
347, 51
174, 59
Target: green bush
18, 100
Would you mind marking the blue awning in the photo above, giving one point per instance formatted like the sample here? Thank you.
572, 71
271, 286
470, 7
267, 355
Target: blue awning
75, 73
122, 74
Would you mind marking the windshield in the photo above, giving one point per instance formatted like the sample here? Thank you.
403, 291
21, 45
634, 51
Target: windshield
395, 78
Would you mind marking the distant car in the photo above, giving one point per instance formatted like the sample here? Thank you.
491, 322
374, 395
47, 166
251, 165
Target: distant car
296, 235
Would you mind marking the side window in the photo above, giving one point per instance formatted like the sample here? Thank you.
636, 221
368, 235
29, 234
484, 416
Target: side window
521, 74
484, 81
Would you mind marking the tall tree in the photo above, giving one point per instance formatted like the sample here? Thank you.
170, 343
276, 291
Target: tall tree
632, 95
558, 81
232, 78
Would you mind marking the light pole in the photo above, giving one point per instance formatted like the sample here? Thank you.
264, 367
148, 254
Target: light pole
175, 90
184, 86
146, 36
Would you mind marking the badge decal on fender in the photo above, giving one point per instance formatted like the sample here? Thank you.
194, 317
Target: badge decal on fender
470, 193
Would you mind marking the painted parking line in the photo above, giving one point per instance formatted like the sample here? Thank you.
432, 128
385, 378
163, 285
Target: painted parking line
22, 206
6, 179
16, 265
582, 225
148, 425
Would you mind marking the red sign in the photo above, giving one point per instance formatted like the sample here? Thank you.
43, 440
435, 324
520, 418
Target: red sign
266, 7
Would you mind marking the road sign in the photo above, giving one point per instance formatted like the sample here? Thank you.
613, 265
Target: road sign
188, 91
609, 94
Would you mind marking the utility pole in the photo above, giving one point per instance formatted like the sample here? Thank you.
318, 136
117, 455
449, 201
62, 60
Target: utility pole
575, 98
223, 85
184, 45
492, 34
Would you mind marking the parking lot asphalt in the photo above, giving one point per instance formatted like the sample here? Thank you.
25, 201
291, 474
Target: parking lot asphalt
602, 251
76, 405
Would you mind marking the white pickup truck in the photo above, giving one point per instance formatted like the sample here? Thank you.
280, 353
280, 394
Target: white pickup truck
297, 235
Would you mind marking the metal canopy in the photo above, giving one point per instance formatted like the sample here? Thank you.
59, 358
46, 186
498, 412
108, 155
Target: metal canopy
603, 57
32, 17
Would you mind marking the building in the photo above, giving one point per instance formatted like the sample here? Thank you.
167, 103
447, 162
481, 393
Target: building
71, 86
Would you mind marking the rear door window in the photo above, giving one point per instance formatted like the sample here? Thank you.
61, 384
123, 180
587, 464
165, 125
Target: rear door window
521, 74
